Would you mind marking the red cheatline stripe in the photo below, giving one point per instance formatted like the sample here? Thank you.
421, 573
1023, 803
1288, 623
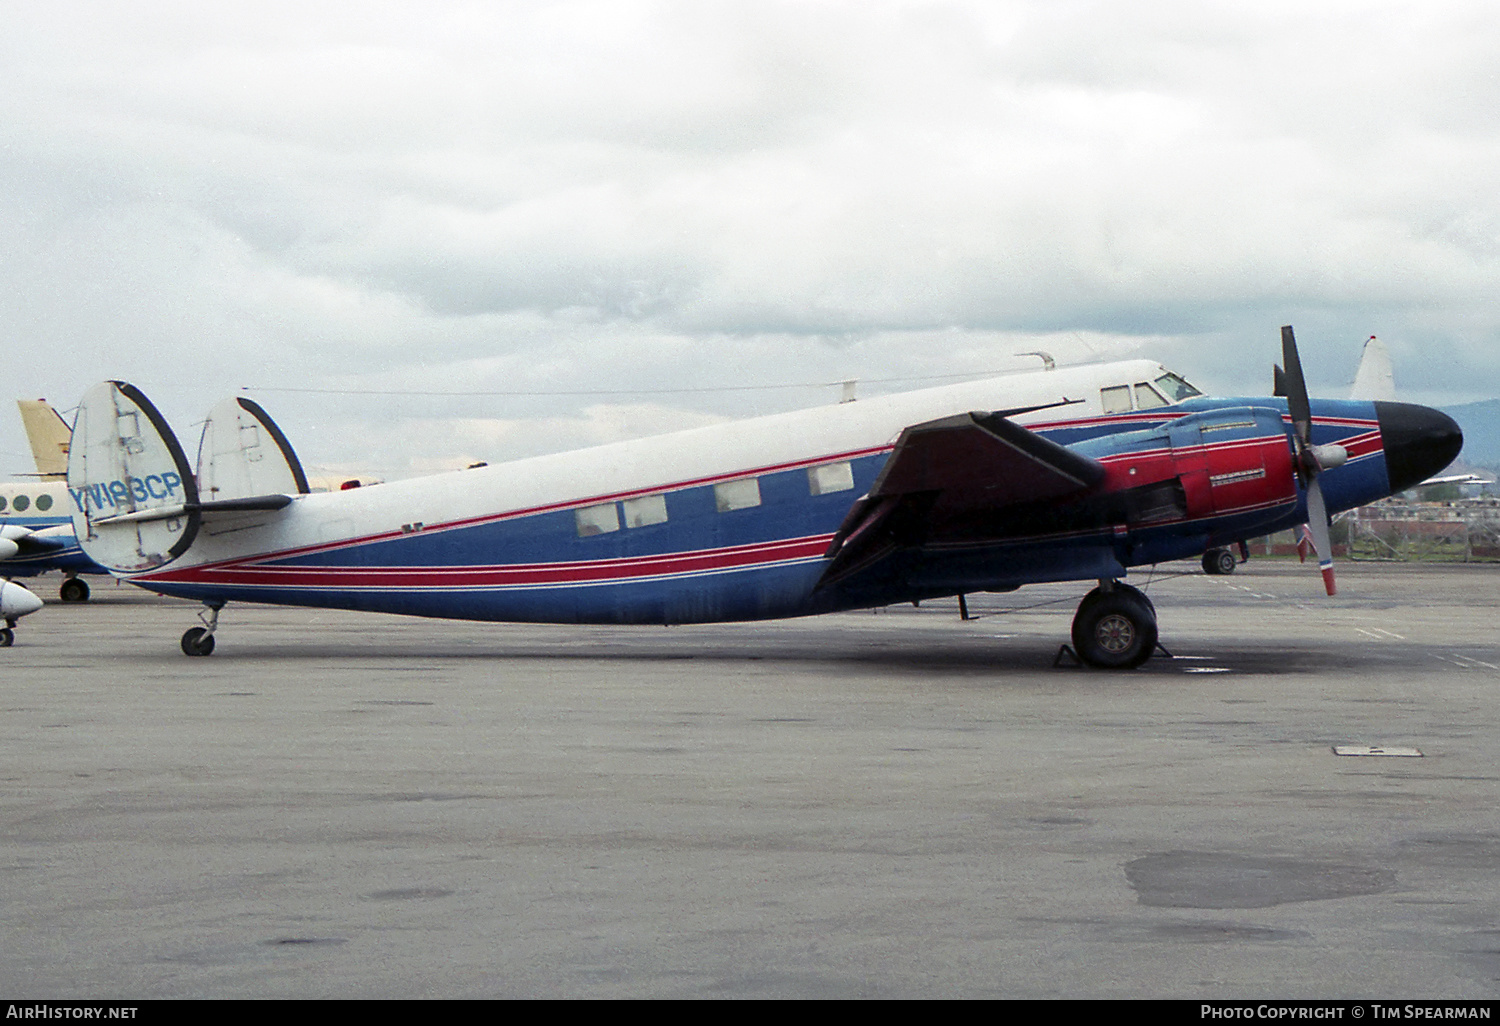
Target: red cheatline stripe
523, 574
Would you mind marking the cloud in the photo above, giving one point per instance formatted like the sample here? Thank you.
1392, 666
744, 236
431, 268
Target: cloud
569, 196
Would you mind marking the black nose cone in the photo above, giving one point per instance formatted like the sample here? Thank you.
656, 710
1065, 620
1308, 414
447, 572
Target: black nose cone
1419, 441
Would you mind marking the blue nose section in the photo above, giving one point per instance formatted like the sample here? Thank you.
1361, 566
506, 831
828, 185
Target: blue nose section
1419, 441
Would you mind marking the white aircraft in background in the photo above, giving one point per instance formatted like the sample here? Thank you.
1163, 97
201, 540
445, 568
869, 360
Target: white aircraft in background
1071, 474
35, 519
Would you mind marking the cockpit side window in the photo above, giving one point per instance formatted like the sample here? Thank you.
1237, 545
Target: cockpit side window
1175, 388
1148, 398
1115, 399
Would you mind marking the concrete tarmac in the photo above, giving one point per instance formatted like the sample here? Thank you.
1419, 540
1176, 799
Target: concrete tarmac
888, 804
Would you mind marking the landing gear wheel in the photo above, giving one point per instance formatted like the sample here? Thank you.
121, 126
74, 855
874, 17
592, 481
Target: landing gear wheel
197, 642
1115, 629
73, 590
7, 637
1219, 561
1121, 588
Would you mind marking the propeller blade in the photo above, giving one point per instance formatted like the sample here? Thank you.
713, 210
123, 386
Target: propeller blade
1317, 524
1304, 543
1297, 403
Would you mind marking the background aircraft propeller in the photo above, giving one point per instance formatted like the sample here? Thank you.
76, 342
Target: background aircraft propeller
1311, 460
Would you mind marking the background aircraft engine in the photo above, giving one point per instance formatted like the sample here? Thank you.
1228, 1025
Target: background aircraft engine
16, 601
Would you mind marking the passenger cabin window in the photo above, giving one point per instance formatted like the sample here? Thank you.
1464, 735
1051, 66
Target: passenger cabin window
1148, 398
1175, 389
1115, 399
594, 520
44, 502
645, 511
21, 502
741, 494
831, 477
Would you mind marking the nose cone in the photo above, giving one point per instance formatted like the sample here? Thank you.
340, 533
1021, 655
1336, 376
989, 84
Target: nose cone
17, 601
1419, 441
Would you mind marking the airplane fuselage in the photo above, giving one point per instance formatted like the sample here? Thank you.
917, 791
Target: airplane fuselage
735, 521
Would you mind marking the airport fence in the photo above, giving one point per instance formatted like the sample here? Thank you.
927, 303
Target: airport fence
1458, 532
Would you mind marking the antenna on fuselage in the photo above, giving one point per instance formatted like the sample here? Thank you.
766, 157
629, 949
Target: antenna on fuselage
1051, 364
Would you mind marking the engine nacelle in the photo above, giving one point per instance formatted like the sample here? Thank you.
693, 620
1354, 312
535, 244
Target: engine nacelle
1202, 465
16, 601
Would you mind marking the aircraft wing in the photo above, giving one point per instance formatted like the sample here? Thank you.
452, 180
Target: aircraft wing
952, 470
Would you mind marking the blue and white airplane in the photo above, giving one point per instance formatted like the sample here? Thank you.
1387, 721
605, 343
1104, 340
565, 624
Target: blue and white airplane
1058, 475
34, 513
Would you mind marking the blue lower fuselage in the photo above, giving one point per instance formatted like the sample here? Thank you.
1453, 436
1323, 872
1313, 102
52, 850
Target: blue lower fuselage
696, 558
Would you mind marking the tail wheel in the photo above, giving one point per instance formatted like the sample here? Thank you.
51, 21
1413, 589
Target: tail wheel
197, 642
1115, 629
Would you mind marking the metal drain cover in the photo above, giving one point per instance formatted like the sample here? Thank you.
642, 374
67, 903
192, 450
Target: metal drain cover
1393, 750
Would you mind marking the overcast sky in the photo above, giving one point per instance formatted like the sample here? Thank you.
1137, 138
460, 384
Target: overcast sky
565, 199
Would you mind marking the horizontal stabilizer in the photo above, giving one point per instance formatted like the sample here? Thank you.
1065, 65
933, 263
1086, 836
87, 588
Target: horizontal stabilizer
253, 504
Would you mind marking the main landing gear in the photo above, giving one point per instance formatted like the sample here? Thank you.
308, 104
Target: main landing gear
1115, 627
199, 641
73, 590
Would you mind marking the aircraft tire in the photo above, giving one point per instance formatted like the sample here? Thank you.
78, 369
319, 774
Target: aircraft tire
1115, 630
7, 637
197, 642
1219, 561
1120, 586
73, 590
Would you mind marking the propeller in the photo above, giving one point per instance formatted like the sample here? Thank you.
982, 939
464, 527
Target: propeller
1311, 459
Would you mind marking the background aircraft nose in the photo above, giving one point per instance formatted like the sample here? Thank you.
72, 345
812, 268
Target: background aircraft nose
16, 600
1419, 441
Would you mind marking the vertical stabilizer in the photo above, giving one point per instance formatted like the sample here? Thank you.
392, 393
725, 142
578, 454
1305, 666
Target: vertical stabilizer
1374, 380
49, 435
134, 498
243, 453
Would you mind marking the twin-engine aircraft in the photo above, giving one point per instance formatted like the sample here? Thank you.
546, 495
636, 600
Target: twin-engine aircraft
1058, 475
36, 527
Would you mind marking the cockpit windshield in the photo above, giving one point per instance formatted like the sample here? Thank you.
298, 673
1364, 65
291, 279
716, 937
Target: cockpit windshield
1175, 388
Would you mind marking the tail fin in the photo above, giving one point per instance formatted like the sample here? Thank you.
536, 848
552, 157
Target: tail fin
1374, 378
134, 497
243, 453
49, 435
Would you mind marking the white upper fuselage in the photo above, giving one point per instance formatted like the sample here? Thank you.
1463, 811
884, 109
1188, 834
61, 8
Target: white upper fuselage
655, 464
